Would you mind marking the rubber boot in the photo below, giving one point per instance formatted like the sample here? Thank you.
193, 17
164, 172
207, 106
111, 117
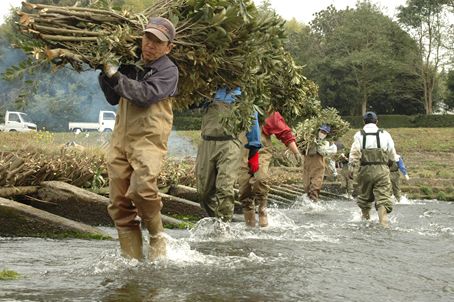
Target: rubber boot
249, 217
158, 245
365, 214
131, 243
383, 216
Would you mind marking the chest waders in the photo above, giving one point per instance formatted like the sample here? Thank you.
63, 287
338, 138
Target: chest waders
137, 149
313, 172
373, 179
217, 164
253, 189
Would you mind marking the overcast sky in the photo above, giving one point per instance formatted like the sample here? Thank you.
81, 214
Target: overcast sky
301, 10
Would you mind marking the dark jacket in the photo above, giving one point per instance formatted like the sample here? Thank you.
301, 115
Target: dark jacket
158, 80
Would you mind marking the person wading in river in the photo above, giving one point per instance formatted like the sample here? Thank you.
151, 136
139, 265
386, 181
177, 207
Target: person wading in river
254, 187
371, 151
219, 154
139, 140
314, 162
394, 168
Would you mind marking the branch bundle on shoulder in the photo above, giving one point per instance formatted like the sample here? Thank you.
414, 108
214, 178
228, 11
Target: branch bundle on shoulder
217, 43
307, 131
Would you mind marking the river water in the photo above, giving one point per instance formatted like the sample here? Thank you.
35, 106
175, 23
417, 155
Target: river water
310, 252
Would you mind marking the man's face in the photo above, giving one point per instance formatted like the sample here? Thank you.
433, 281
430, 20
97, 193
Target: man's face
153, 48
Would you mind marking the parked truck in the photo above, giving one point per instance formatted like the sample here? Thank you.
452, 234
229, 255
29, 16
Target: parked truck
106, 123
17, 122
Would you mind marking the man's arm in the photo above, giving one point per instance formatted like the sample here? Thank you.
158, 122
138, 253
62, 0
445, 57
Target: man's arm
111, 96
150, 90
392, 154
275, 124
355, 153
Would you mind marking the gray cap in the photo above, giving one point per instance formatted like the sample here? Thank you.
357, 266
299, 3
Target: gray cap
161, 28
370, 117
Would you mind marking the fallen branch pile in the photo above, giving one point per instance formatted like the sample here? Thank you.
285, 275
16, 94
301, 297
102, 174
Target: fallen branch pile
79, 168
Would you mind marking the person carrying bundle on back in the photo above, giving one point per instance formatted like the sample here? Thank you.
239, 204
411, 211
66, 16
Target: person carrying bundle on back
139, 139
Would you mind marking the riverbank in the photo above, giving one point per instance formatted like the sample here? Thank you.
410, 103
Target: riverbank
428, 154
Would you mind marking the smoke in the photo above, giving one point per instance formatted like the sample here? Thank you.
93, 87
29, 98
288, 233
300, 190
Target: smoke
51, 98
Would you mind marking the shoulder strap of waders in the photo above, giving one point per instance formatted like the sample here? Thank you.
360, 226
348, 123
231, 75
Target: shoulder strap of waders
377, 135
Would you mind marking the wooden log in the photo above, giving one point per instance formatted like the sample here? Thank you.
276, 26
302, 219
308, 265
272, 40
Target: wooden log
79, 204
280, 199
12, 191
294, 187
285, 189
279, 192
177, 205
185, 192
74, 203
21, 220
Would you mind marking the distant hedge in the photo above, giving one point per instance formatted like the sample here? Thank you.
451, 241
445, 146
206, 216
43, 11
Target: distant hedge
187, 120
406, 121
193, 121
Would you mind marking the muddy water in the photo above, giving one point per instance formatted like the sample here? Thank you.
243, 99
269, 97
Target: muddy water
321, 252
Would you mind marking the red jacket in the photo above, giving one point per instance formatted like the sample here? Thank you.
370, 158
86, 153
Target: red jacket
275, 124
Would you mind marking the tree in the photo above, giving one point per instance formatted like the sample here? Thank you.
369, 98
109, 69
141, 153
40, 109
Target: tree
449, 100
428, 22
361, 60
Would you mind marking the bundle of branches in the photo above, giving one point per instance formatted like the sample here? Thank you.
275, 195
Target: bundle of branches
176, 172
217, 43
307, 131
25, 168
80, 168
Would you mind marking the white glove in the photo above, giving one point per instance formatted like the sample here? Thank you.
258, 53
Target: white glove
110, 69
407, 177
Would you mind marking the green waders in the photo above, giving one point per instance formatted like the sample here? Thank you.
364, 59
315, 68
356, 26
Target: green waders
217, 164
374, 183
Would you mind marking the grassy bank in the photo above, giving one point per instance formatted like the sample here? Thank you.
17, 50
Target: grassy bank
428, 153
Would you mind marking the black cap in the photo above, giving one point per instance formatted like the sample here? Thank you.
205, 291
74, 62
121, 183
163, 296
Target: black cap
370, 117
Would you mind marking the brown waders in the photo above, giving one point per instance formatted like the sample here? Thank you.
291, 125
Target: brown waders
313, 172
374, 183
254, 188
138, 146
217, 164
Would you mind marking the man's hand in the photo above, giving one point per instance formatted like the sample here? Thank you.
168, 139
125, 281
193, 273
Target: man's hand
253, 163
110, 69
298, 158
407, 178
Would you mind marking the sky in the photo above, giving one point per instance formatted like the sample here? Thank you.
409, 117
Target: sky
302, 11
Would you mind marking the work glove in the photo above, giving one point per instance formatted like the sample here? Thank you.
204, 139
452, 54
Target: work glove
253, 163
298, 158
407, 178
110, 69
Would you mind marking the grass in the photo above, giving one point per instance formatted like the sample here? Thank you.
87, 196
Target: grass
6, 275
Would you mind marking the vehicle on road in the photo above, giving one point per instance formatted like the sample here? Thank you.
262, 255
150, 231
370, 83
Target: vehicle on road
16, 121
105, 123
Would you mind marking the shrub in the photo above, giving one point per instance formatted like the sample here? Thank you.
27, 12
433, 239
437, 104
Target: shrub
441, 196
426, 190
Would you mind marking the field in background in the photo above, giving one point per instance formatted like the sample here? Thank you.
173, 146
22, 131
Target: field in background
428, 154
